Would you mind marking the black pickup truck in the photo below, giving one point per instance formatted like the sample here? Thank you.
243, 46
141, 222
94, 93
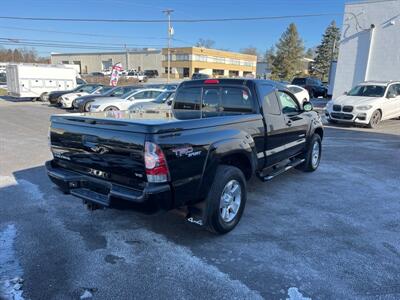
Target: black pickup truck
195, 158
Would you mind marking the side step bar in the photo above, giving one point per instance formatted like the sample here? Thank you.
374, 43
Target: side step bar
282, 170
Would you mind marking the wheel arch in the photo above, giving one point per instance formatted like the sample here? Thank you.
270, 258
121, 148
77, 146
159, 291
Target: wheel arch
234, 152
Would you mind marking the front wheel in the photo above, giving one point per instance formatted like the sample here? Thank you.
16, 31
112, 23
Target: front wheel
86, 107
312, 155
375, 119
226, 199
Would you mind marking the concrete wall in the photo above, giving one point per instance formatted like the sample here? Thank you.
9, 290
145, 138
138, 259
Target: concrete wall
92, 62
365, 53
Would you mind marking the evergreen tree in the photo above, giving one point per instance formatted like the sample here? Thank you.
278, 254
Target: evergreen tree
327, 51
286, 62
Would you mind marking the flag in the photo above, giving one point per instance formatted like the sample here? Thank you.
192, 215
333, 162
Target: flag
115, 74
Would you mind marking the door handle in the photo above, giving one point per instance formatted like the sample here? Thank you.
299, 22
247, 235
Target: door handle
289, 123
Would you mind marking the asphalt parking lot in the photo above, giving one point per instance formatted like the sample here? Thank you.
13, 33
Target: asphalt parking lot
331, 234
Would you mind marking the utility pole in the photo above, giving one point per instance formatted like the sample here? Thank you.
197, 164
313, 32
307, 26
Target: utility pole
170, 33
126, 58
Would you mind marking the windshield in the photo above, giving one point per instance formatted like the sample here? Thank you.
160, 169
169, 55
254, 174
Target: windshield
367, 91
162, 97
127, 94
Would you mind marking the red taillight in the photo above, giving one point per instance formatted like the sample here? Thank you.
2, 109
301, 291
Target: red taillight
211, 81
155, 162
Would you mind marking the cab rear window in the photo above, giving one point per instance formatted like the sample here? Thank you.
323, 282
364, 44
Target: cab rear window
214, 100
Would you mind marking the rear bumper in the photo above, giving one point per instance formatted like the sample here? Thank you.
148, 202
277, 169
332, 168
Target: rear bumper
107, 193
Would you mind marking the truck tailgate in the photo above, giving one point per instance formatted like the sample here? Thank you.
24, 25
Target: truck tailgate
102, 150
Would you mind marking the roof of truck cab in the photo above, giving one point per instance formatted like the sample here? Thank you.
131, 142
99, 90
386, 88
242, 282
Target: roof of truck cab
232, 81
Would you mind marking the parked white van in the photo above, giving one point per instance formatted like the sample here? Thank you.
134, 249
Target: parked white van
35, 81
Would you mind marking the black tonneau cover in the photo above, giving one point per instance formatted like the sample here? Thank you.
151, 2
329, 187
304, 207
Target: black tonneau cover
146, 122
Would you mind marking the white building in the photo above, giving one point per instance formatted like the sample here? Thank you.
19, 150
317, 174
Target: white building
370, 43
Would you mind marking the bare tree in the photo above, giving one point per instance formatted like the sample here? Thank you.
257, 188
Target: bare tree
205, 43
250, 50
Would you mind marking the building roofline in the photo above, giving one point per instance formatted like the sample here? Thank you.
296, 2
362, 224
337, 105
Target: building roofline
153, 51
212, 49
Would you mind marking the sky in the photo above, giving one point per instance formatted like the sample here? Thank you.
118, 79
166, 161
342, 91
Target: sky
227, 35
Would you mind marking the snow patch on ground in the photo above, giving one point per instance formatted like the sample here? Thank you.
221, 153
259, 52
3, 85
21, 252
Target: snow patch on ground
6, 181
294, 294
29, 189
10, 269
176, 264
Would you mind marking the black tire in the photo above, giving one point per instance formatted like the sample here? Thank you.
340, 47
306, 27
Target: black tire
375, 119
42, 97
309, 165
224, 175
86, 107
34, 99
111, 108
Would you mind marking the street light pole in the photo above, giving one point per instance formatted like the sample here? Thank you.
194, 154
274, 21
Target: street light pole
168, 13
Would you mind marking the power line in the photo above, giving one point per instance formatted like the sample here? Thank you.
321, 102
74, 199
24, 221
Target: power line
83, 34
166, 21
17, 40
60, 46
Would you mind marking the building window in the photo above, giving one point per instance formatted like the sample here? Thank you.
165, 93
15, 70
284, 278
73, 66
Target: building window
182, 57
106, 64
218, 72
166, 70
65, 62
233, 73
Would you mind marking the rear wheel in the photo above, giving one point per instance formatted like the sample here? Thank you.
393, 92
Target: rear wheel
375, 119
312, 155
226, 199
111, 108
44, 97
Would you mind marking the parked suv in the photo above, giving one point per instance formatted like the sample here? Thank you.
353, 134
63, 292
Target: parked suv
314, 86
151, 73
367, 104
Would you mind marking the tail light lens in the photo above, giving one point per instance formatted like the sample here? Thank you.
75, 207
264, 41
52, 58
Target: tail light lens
155, 162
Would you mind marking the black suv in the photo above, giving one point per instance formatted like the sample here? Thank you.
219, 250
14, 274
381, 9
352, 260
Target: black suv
151, 73
314, 86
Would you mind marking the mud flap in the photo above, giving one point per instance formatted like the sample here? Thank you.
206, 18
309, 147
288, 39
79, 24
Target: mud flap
197, 214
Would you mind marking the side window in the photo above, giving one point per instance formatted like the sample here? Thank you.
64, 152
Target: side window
394, 90
140, 95
119, 92
211, 102
236, 101
288, 104
188, 98
155, 94
270, 102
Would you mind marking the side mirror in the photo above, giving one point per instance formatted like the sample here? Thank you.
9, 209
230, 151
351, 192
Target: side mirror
307, 106
169, 102
132, 98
